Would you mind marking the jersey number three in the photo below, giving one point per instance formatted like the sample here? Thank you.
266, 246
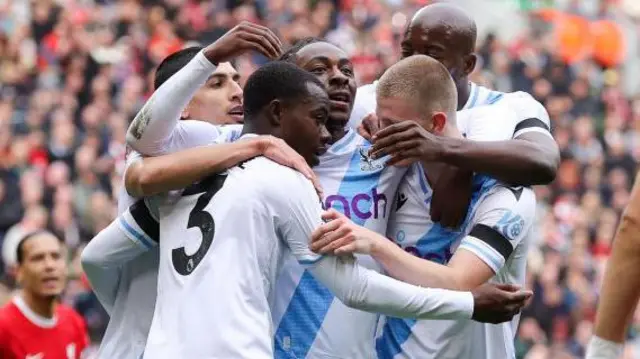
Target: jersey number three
185, 264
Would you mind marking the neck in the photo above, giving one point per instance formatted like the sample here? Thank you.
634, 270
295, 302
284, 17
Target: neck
336, 133
256, 126
464, 91
43, 306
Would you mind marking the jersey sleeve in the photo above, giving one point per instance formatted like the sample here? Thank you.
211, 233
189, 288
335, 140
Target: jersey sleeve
304, 212
364, 104
531, 114
131, 234
500, 222
491, 123
157, 128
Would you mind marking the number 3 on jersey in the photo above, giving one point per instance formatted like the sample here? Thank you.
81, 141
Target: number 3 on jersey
185, 264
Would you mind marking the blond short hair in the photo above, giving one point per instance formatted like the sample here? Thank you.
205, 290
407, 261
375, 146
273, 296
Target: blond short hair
423, 81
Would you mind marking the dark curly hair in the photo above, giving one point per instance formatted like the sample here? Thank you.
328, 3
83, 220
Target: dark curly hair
290, 54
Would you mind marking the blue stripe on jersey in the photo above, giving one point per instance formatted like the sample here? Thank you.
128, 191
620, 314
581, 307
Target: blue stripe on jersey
474, 96
311, 300
435, 246
142, 239
494, 97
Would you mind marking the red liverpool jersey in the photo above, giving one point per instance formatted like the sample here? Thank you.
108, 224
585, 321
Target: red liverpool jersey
27, 335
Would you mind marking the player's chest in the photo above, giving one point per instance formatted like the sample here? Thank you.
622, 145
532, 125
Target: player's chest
60, 344
361, 188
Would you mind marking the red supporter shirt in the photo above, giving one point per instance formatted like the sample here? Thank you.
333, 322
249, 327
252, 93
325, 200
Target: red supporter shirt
27, 335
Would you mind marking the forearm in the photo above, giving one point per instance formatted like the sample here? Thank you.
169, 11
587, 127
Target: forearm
411, 269
621, 283
174, 171
367, 290
104, 256
156, 122
515, 161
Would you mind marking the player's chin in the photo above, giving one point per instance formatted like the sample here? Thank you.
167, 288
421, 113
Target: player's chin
338, 118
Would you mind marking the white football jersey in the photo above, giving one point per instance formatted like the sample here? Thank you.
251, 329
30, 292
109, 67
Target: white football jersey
309, 321
496, 230
132, 310
222, 244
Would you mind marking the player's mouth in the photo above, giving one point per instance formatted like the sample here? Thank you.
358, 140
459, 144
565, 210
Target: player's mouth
237, 113
51, 282
340, 100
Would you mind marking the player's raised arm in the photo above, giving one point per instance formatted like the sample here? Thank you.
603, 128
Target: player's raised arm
131, 234
157, 129
367, 290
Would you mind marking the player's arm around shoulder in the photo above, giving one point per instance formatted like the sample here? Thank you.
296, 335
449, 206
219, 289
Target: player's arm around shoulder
501, 222
534, 127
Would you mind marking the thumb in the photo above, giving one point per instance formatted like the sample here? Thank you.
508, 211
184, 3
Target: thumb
331, 214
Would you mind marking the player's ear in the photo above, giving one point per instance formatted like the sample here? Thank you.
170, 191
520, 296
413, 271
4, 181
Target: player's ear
470, 63
438, 122
274, 111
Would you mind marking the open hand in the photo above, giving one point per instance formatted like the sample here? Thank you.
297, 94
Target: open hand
245, 37
498, 303
341, 236
278, 151
407, 142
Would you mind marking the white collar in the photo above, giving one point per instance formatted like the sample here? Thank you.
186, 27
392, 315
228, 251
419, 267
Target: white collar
32, 316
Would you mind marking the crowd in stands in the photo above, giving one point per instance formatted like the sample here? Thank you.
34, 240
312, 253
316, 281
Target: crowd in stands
73, 73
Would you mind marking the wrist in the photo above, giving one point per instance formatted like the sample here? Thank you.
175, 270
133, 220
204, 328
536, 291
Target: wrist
378, 246
211, 53
449, 149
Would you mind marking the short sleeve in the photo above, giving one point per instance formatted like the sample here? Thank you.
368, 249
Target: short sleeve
532, 116
303, 215
490, 123
500, 222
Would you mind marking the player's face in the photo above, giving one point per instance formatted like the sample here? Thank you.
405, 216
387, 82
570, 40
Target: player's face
303, 125
43, 269
333, 68
435, 40
219, 101
392, 110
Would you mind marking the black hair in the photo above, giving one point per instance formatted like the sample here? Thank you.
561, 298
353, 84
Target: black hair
174, 63
25, 238
276, 80
290, 54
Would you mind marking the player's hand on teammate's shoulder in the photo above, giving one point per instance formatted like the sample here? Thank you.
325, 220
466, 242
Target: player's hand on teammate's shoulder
369, 126
339, 236
497, 303
278, 151
245, 37
407, 142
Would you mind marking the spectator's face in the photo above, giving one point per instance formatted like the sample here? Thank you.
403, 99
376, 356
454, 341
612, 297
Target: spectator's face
219, 101
43, 271
333, 68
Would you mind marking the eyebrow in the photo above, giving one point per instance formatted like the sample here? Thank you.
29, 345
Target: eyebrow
222, 75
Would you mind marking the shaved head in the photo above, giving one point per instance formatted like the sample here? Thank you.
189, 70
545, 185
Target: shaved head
450, 19
422, 85
448, 34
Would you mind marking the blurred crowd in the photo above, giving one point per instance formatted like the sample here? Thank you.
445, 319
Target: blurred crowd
73, 73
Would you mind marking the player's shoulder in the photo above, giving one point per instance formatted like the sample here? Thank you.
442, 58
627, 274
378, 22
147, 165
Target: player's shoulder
363, 104
270, 178
523, 100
